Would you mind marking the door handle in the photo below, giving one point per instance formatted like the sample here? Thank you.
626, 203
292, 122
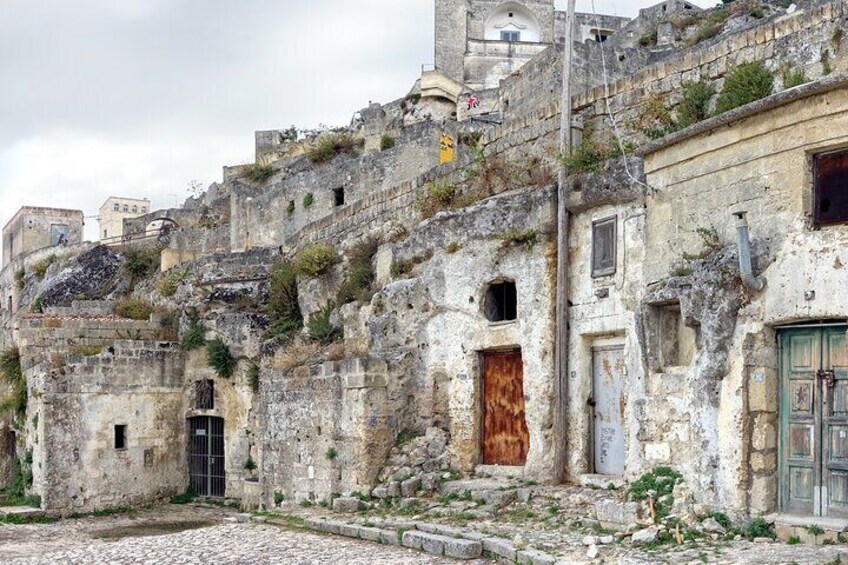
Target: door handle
828, 378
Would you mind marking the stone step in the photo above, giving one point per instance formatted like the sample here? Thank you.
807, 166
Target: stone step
436, 544
23, 512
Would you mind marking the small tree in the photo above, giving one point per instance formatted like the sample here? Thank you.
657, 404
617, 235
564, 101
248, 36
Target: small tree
746, 83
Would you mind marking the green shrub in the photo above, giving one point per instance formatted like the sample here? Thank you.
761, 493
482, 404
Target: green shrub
134, 309
219, 357
757, 12
758, 528
259, 173
649, 39
40, 268
195, 333
20, 278
794, 77
512, 238
290, 208
38, 305
140, 263
658, 485
250, 464
439, 196
722, 518
794, 540
359, 280
283, 306
400, 268
386, 142
746, 83
278, 498
321, 329
695, 105
329, 146
86, 350
331, 454
584, 158
253, 374
315, 260
184, 498
471, 139
171, 281
13, 376
308, 200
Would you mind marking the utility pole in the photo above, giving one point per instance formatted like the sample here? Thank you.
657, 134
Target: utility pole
561, 345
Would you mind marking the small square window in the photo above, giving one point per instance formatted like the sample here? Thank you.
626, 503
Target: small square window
339, 196
121, 436
511, 36
501, 302
135, 209
204, 395
117, 207
604, 247
831, 188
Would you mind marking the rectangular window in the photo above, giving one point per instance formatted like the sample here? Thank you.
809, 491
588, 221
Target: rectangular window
59, 234
604, 247
339, 196
117, 207
511, 36
121, 437
831, 188
104, 234
204, 395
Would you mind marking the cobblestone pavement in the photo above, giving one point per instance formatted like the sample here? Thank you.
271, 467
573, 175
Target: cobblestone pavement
154, 537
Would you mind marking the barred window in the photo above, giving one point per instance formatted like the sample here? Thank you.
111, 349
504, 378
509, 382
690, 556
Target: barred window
604, 247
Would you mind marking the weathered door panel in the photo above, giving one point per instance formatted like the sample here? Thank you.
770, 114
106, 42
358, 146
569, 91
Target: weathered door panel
835, 423
505, 438
206, 456
801, 360
609, 377
814, 422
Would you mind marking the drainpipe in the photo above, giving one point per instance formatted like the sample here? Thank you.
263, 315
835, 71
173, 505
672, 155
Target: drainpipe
746, 270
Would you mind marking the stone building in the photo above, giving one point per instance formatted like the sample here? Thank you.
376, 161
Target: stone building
680, 351
114, 211
31, 229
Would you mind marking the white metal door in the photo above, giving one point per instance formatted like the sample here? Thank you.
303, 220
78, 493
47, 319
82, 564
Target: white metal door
610, 400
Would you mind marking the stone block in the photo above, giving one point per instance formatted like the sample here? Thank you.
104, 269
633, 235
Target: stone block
648, 535
535, 557
345, 505
349, 530
389, 537
763, 493
501, 548
616, 514
409, 487
462, 548
763, 462
413, 539
371, 534
433, 544
764, 436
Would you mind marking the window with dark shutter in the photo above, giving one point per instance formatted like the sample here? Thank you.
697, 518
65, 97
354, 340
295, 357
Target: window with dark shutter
831, 189
604, 247
501, 302
121, 437
339, 196
204, 395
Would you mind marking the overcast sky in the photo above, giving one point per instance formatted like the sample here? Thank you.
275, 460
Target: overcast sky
139, 97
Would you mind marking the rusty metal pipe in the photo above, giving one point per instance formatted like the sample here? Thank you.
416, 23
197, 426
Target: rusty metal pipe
746, 269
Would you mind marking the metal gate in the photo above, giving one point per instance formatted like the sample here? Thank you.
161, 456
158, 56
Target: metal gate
610, 376
206, 456
505, 435
814, 421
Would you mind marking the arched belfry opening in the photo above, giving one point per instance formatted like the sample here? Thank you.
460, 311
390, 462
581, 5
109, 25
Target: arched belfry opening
514, 23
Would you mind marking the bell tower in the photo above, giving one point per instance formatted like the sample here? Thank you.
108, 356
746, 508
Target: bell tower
452, 37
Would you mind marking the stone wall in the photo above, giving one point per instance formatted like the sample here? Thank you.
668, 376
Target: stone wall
325, 429
76, 465
30, 229
757, 159
261, 216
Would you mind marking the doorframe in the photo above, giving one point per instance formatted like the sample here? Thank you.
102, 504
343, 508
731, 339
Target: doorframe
603, 344
189, 444
481, 392
819, 506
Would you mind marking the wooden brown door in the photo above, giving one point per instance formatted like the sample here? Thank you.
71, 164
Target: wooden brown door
505, 435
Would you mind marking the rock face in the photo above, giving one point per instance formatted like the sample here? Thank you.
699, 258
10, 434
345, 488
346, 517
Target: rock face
90, 276
415, 466
648, 535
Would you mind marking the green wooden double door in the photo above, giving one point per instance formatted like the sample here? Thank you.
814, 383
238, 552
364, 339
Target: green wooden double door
813, 442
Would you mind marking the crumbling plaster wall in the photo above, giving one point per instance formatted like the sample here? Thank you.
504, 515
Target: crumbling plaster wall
760, 164
432, 329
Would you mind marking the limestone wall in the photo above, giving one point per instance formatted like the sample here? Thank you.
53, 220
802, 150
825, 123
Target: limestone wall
324, 429
76, 466
759, 163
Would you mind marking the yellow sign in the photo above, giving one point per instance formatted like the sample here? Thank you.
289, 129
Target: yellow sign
447, 149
